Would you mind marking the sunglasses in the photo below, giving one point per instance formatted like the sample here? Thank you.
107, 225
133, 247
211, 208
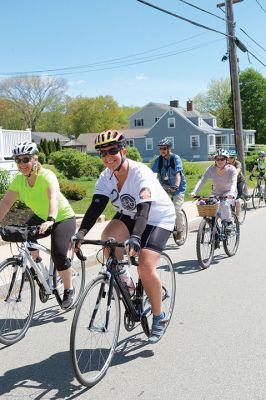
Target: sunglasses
24, 160
111, 152
220, 159
164, 148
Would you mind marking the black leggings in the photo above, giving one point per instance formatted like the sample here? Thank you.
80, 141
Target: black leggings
60, 238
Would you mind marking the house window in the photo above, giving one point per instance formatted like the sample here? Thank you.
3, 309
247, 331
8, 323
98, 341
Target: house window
211, 140
171, 112
214, 122
200, 121
194, 141
221, 141
130, 143
232, 139
171, 122
139, 122
157, 119
149, 143
250, 139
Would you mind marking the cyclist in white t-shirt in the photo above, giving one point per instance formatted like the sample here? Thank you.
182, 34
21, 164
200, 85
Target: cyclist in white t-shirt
145, 215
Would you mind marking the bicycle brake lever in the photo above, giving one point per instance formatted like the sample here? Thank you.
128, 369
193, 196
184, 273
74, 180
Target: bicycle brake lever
80, 255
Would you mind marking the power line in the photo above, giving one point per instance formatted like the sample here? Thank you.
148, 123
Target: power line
141, 61
201, 9
252, 39
182, 18
102, 62
261, 6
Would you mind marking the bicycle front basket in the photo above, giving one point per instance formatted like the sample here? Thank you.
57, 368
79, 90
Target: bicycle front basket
14, 233
208, 210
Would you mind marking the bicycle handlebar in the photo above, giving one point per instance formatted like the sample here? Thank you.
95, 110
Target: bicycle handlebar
111, 243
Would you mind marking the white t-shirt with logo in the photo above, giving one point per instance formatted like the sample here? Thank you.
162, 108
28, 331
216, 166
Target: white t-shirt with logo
141, 185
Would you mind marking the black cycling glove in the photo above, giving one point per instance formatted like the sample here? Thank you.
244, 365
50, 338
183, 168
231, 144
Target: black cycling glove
133, 243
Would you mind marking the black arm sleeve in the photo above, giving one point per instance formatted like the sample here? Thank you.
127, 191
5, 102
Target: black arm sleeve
142, 215
98, 204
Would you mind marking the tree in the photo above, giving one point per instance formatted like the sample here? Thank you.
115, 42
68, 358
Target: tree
217, 101
31, 95
9, 117
253, 99
97, 114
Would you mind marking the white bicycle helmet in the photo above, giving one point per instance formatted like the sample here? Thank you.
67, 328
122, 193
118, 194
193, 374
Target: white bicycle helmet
261, 154
26, 148
221, 153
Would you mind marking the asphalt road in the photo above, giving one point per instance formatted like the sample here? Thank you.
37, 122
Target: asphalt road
214, 348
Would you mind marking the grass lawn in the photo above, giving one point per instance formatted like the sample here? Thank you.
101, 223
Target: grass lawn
194, 172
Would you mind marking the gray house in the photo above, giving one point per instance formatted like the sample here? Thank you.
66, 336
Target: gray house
195, 136
49, 136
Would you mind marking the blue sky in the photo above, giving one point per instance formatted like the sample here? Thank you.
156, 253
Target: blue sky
40, 35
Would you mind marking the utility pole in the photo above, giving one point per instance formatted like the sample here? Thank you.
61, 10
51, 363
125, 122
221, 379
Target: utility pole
233, 63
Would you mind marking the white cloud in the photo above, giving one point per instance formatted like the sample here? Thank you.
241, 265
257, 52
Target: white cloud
81, 82
141, 77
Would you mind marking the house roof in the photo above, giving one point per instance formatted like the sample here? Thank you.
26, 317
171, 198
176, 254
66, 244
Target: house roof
73, 143
37, 136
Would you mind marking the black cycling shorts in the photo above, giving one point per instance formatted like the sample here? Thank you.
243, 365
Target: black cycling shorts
60, 238
153, 237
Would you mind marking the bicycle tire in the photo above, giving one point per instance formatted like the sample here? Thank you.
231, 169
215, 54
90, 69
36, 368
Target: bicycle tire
182, 241
78, 282
92, 348
205, 244
256, 197
15, 313
243, 211
231, 242
167, 275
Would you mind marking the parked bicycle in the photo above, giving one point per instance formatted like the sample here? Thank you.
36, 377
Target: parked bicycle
96, 322
212, 231
258, 194
17, 288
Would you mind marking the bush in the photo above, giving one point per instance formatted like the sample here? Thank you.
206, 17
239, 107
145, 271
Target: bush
41, 158
133, 153
72, 191
4, 180
72, 163
94, 167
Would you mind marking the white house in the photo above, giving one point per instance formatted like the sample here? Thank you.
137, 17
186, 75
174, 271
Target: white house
8, 140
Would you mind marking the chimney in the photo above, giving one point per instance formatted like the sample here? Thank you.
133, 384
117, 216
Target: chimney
189, 105
174, 103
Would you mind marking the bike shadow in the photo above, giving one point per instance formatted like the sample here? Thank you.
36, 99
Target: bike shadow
52, 378
130, 348
193, 266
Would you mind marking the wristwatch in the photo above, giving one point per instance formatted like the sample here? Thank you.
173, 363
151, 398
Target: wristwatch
51, 219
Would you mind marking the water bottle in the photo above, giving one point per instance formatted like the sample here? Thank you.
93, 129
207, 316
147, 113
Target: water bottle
126, 279
42, 268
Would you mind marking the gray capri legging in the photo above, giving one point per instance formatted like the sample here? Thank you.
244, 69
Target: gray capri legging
60, 237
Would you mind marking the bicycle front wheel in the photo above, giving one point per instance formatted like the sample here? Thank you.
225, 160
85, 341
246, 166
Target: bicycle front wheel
17, 301
205, 243
166, 273
256, 197
94, 332
181, 241
231, 242
78, 282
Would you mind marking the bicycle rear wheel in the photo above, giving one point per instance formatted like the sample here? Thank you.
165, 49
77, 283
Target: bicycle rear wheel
92, 344
17, 301
78, 282
181, 241
166, 273
205, 243
256, 197
243, 210
231, 242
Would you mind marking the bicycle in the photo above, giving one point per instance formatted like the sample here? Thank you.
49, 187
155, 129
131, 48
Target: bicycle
178, 242
212, 231
96, 323
258, 193
17, 288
